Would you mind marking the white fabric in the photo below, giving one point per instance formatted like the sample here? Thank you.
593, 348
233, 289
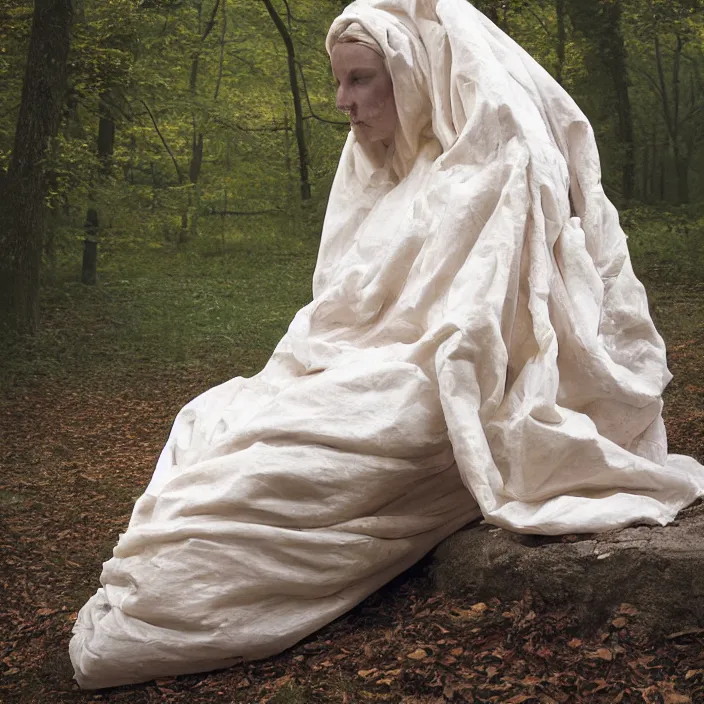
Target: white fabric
477, 344
355, 33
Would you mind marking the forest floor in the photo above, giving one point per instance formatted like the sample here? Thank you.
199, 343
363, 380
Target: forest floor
85, 409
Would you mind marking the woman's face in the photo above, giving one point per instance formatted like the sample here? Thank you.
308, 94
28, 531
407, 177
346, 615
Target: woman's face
365, 91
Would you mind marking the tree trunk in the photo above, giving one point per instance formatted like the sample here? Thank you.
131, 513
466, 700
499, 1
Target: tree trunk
24, 189
601, 26
561, 40
671, 114
296, 94
645, 174
616, 57
106, 143
196, 160
89, 272
682, 169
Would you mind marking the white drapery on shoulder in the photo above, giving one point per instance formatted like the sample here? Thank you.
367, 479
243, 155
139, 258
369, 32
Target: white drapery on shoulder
477, 344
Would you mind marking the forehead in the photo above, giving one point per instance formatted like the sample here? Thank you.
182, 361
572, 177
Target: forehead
349, 56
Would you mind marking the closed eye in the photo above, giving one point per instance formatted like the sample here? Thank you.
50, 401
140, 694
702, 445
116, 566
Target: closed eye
364, 78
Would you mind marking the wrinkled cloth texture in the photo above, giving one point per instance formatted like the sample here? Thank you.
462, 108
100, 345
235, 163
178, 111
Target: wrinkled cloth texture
477, 345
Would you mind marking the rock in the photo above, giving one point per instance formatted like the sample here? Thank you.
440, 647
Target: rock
658, 570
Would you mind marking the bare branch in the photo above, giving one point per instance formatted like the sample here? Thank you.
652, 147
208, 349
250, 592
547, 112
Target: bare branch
211, 22
310, 107
651, 80
163, 141
541, 22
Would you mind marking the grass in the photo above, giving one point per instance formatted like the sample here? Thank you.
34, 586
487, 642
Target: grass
167, 308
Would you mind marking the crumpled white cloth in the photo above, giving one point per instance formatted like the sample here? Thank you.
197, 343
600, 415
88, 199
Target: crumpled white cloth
477, 344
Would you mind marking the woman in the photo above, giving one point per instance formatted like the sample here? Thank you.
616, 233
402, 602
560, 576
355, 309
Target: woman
477, 344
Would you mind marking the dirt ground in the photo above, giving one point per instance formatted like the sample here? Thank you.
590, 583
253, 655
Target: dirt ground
77, 451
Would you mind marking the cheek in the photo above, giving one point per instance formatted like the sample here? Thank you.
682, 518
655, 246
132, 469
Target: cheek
379, 101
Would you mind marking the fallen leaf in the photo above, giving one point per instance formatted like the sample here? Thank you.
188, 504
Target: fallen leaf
675, 698
651, 695
472, 612
46, 612
575, 643
385, 680
602, 654
600, 686
671, 696
418, 654
619, 622
368, 673
457, 652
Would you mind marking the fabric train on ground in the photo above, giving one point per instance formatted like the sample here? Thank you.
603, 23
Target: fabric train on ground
477, 344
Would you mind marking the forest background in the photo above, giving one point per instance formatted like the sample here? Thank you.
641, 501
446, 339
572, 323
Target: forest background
164, 172
155, 134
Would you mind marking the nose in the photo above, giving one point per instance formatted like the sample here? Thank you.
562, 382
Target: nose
342, 100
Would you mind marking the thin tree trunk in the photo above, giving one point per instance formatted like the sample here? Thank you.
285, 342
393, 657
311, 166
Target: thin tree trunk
196, 161
296, 95
619, 74
652, 169
561, 40
221, 59
106, 142
645, 173
671, 115
89, 270
23, 190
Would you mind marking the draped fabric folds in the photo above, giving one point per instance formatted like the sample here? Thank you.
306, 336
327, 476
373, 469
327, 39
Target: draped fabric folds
477, 345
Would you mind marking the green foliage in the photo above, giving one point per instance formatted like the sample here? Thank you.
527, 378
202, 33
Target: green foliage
172, 74
15, 24
666, 246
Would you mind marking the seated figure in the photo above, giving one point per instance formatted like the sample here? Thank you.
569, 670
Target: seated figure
477, 346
